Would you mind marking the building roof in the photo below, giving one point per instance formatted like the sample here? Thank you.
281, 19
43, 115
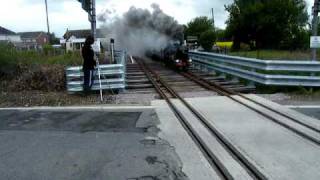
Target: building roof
82, 33
31, 34
6, 31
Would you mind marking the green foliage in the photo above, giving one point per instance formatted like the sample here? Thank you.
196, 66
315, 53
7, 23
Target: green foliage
9, 55
222, 35
198, 26
6, 54
274, 54
54, 39
202, 27
11, 60
8, 67
207, 39
47, 49
268, 23
31, 70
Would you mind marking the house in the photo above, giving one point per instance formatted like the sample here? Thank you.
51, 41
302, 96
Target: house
73, 40
9, 36
34, 40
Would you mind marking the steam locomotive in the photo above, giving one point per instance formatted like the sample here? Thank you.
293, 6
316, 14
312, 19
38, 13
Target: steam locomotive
174, 56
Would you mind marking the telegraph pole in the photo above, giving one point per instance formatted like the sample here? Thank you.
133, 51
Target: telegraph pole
213, 19
48, 27
315, 21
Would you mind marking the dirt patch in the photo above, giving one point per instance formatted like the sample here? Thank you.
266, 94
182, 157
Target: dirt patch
37, 77
41, 98
41, 85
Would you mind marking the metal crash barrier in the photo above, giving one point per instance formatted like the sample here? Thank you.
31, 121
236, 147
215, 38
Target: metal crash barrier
267, 72
112, 75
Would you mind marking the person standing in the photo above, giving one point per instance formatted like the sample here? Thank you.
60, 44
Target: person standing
88, 64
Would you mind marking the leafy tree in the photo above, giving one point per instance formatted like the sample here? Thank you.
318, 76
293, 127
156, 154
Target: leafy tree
203, 28
267, 23
222, 35
54, 39
207, 39
198, 26
47, 49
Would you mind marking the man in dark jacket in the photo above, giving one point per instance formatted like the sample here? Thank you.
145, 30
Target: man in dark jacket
88, 64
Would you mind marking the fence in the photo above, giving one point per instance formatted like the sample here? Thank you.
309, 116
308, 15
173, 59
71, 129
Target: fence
267, 72
112, 75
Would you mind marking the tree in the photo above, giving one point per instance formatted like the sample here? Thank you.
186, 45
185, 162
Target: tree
198, 26
203, 28
222, 35
267, 23
207, 39
53, 39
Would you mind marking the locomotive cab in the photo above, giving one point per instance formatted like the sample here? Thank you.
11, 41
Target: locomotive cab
182, 60
176, 56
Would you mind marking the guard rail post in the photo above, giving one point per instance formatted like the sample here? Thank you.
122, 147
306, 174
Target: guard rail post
252, 83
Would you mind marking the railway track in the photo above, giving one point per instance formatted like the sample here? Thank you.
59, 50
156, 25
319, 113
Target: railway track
219, 150
196, 81
297, 126
138, 83
237, 165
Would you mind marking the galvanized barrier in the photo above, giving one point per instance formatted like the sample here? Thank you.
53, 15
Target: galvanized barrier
112, 75
267, 72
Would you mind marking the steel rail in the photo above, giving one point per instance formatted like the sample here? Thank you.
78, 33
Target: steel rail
242, 160
228, 93
215, 163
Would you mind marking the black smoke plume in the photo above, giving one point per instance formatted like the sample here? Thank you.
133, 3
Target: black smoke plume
140, 30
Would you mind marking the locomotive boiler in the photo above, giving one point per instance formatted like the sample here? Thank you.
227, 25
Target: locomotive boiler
174, 56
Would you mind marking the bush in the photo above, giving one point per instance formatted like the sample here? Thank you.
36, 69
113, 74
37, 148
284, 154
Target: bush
48, 49
9, 55
39, 77
207, 40
244, 47
32, 70
8, 61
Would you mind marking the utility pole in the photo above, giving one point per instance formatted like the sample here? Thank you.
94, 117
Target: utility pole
48, 27
315, 21
213, 19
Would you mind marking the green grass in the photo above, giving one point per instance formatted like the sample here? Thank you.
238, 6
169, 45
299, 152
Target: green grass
13, 62
225, 44
275, 54
11, 56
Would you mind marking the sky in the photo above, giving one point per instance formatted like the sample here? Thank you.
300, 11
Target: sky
29, 15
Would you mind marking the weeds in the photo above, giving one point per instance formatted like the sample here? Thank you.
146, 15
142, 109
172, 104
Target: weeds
274, 54
9, 55
31, 70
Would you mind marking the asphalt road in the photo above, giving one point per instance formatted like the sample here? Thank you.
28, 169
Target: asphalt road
84, 144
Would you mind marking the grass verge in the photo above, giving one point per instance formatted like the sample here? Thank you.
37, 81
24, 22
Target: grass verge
274, 54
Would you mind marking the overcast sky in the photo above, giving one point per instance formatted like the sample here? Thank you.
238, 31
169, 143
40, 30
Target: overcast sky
29, 15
